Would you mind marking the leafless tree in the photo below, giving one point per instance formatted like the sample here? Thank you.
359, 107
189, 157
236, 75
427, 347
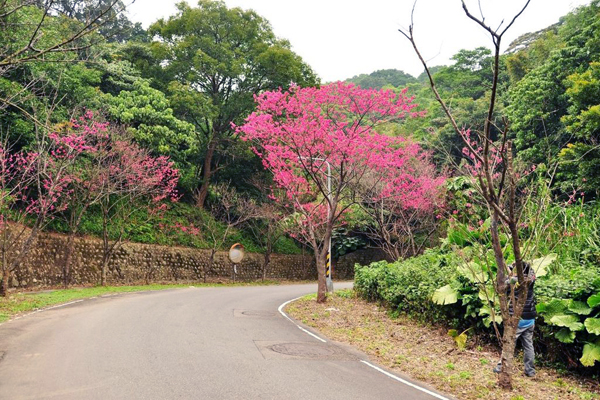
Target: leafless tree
229, 210
267, 229
400, 233
497, 184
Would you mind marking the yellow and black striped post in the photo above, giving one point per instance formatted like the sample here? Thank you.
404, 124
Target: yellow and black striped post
328, 275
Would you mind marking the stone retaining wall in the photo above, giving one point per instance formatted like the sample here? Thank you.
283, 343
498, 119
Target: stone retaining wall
142, 263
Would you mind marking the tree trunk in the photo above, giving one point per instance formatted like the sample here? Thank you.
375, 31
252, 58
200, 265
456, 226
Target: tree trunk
24, 249
211, 261
4, 283
4, 269
105, 249
509, 342
69, 249
266, 263
206, 174
103, 272
267, 260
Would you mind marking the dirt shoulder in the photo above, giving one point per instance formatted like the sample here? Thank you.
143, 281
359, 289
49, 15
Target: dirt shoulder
428, 354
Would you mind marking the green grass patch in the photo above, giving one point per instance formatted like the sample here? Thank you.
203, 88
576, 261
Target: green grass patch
312, 296
24, 302
345, 293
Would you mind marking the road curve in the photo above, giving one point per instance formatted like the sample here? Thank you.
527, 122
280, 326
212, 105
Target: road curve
195, 343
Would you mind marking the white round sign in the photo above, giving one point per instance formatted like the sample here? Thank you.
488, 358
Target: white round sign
236, 253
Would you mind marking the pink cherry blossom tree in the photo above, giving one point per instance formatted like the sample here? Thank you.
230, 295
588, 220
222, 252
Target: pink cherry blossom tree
15, 178
33, 189
131, 179
111, 171
89, 142
403, 229
305, 134
80, 164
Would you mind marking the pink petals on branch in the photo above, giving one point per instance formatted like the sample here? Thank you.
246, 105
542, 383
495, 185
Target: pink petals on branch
297, 132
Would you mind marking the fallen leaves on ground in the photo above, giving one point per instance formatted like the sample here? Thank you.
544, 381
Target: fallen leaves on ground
428, 354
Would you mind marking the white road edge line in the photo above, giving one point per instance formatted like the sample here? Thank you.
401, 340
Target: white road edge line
62, 305
41, 310
429, 392
280, 309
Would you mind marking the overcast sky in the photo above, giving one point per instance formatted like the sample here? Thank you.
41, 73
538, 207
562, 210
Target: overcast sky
343, 38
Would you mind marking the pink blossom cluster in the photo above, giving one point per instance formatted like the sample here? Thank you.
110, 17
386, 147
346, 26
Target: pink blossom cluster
572, 198
298, 133
189, 229
84, 156
474, 153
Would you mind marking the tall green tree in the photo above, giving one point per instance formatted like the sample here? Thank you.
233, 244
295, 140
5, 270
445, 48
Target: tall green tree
41, 52
215, 59
466, 86
580, 158
539, 101
531, 50
114, 24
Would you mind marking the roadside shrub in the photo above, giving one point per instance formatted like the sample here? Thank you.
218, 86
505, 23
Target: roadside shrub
407, 286
568, 296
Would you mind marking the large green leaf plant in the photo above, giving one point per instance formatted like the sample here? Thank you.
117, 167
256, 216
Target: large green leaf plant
576, 321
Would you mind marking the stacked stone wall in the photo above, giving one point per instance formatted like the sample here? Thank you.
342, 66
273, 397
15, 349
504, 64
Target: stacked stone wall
135, 263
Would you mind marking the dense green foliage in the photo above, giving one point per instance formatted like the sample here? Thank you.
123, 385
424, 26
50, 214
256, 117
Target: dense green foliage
548, 91
567, 290
407, 286
149, 89
163, 229
552, 105
214, 61
383, 78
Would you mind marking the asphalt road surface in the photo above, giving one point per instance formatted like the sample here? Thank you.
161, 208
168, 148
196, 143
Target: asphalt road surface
195, 343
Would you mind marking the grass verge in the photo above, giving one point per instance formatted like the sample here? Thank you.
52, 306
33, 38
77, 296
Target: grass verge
428, 354
20, 303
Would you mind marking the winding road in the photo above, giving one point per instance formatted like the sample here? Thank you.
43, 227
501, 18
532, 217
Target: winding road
194, 343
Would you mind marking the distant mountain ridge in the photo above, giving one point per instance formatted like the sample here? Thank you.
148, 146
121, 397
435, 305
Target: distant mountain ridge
399, 79
383, 77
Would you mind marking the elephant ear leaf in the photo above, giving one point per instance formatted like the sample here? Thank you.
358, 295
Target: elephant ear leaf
565, 335
487, 321
552, 308
567, 321
460, 339
594, 300
579, 307
593, 325
540, 265
445, 295
591, 354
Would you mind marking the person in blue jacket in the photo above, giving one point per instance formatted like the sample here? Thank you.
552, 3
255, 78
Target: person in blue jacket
527, 321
